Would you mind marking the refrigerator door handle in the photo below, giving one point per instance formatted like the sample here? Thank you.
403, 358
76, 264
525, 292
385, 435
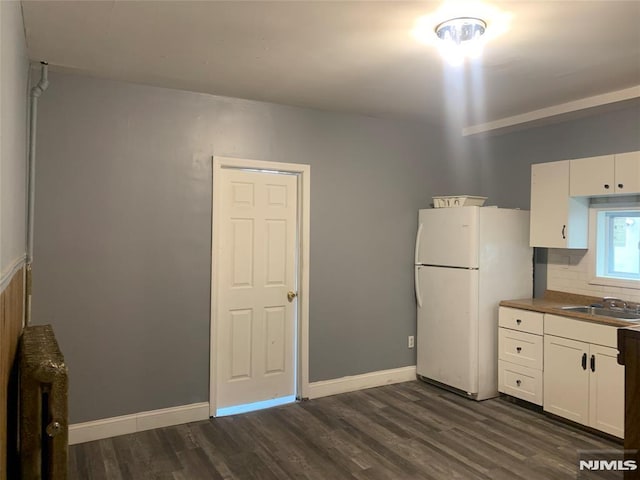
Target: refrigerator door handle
417, 286
418, 237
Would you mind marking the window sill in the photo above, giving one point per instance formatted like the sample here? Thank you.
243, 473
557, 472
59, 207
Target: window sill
615, 282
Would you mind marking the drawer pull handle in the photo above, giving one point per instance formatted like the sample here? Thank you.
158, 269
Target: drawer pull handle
518, 382
518, 349
518, 321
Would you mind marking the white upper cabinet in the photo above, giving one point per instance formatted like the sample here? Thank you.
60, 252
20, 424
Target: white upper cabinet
627, 172
605, 175
560, 191
591, 176
557, 220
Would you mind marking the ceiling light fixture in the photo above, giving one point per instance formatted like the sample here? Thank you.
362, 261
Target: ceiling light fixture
461, 30
460, 38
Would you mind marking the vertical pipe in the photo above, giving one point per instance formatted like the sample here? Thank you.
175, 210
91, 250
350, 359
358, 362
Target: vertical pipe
33, 122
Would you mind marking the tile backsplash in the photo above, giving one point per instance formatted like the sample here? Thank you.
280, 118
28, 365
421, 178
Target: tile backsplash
568, 271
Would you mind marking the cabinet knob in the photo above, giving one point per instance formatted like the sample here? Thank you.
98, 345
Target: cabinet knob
620, 185
606, 186
518, 382
518, 321
518, 349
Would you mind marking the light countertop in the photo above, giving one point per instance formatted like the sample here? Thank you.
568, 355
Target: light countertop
553, 301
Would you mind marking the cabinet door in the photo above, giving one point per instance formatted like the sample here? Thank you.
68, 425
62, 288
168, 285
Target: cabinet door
566, 382
549, 212
627, 179
557, 220
591, 176
606, 391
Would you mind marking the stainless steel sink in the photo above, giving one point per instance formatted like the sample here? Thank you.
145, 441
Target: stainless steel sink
605, 312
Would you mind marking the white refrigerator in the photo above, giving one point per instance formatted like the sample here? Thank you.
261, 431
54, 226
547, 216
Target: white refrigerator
467, 259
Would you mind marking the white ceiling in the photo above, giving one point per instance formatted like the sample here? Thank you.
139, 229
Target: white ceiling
349, 56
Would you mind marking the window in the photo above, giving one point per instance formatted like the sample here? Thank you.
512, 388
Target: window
618, 244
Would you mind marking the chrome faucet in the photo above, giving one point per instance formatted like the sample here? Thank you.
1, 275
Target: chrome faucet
613, 302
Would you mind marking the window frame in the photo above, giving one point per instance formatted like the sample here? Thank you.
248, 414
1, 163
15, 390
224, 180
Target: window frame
599, 235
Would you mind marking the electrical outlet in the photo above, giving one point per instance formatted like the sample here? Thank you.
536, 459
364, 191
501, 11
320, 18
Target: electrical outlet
410, 343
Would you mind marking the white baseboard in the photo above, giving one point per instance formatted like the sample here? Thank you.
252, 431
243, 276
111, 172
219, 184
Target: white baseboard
360, 382
7, 273
137, 422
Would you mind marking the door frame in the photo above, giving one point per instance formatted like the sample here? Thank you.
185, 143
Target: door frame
303, 173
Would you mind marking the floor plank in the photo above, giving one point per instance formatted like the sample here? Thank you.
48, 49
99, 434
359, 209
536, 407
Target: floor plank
410, 430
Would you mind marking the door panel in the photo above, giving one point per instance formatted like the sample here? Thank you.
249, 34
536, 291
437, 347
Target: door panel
448, 327
242, 268
627, 172
256, 257
448, 236
550, 205
591, 176
276, 257
241, 328
566, 382
275, 339
606, 391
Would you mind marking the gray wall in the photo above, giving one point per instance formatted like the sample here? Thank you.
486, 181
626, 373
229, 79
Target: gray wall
122, 252
122, 239
14, 72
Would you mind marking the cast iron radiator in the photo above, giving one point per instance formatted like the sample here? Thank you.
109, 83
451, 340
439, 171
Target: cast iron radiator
44, 429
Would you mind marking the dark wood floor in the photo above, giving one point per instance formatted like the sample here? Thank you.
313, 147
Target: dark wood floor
405, 431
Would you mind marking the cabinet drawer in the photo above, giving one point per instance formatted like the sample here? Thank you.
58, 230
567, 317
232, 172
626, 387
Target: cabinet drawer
520, 348
521, 320
520, 382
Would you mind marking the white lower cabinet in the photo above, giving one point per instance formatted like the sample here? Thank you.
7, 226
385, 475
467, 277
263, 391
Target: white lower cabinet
521, 382
520, 354
568, 366
606, 391
582, 379
566, 380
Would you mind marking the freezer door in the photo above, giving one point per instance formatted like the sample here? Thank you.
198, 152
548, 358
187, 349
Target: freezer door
448, 327
448, 236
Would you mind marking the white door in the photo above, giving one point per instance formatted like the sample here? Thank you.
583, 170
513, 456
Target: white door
448, 326
448, 236
256, 268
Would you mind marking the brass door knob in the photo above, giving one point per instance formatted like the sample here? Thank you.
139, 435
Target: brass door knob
291, 295
53, 429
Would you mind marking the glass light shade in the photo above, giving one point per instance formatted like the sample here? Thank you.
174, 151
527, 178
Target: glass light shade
461, 30
460, 39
